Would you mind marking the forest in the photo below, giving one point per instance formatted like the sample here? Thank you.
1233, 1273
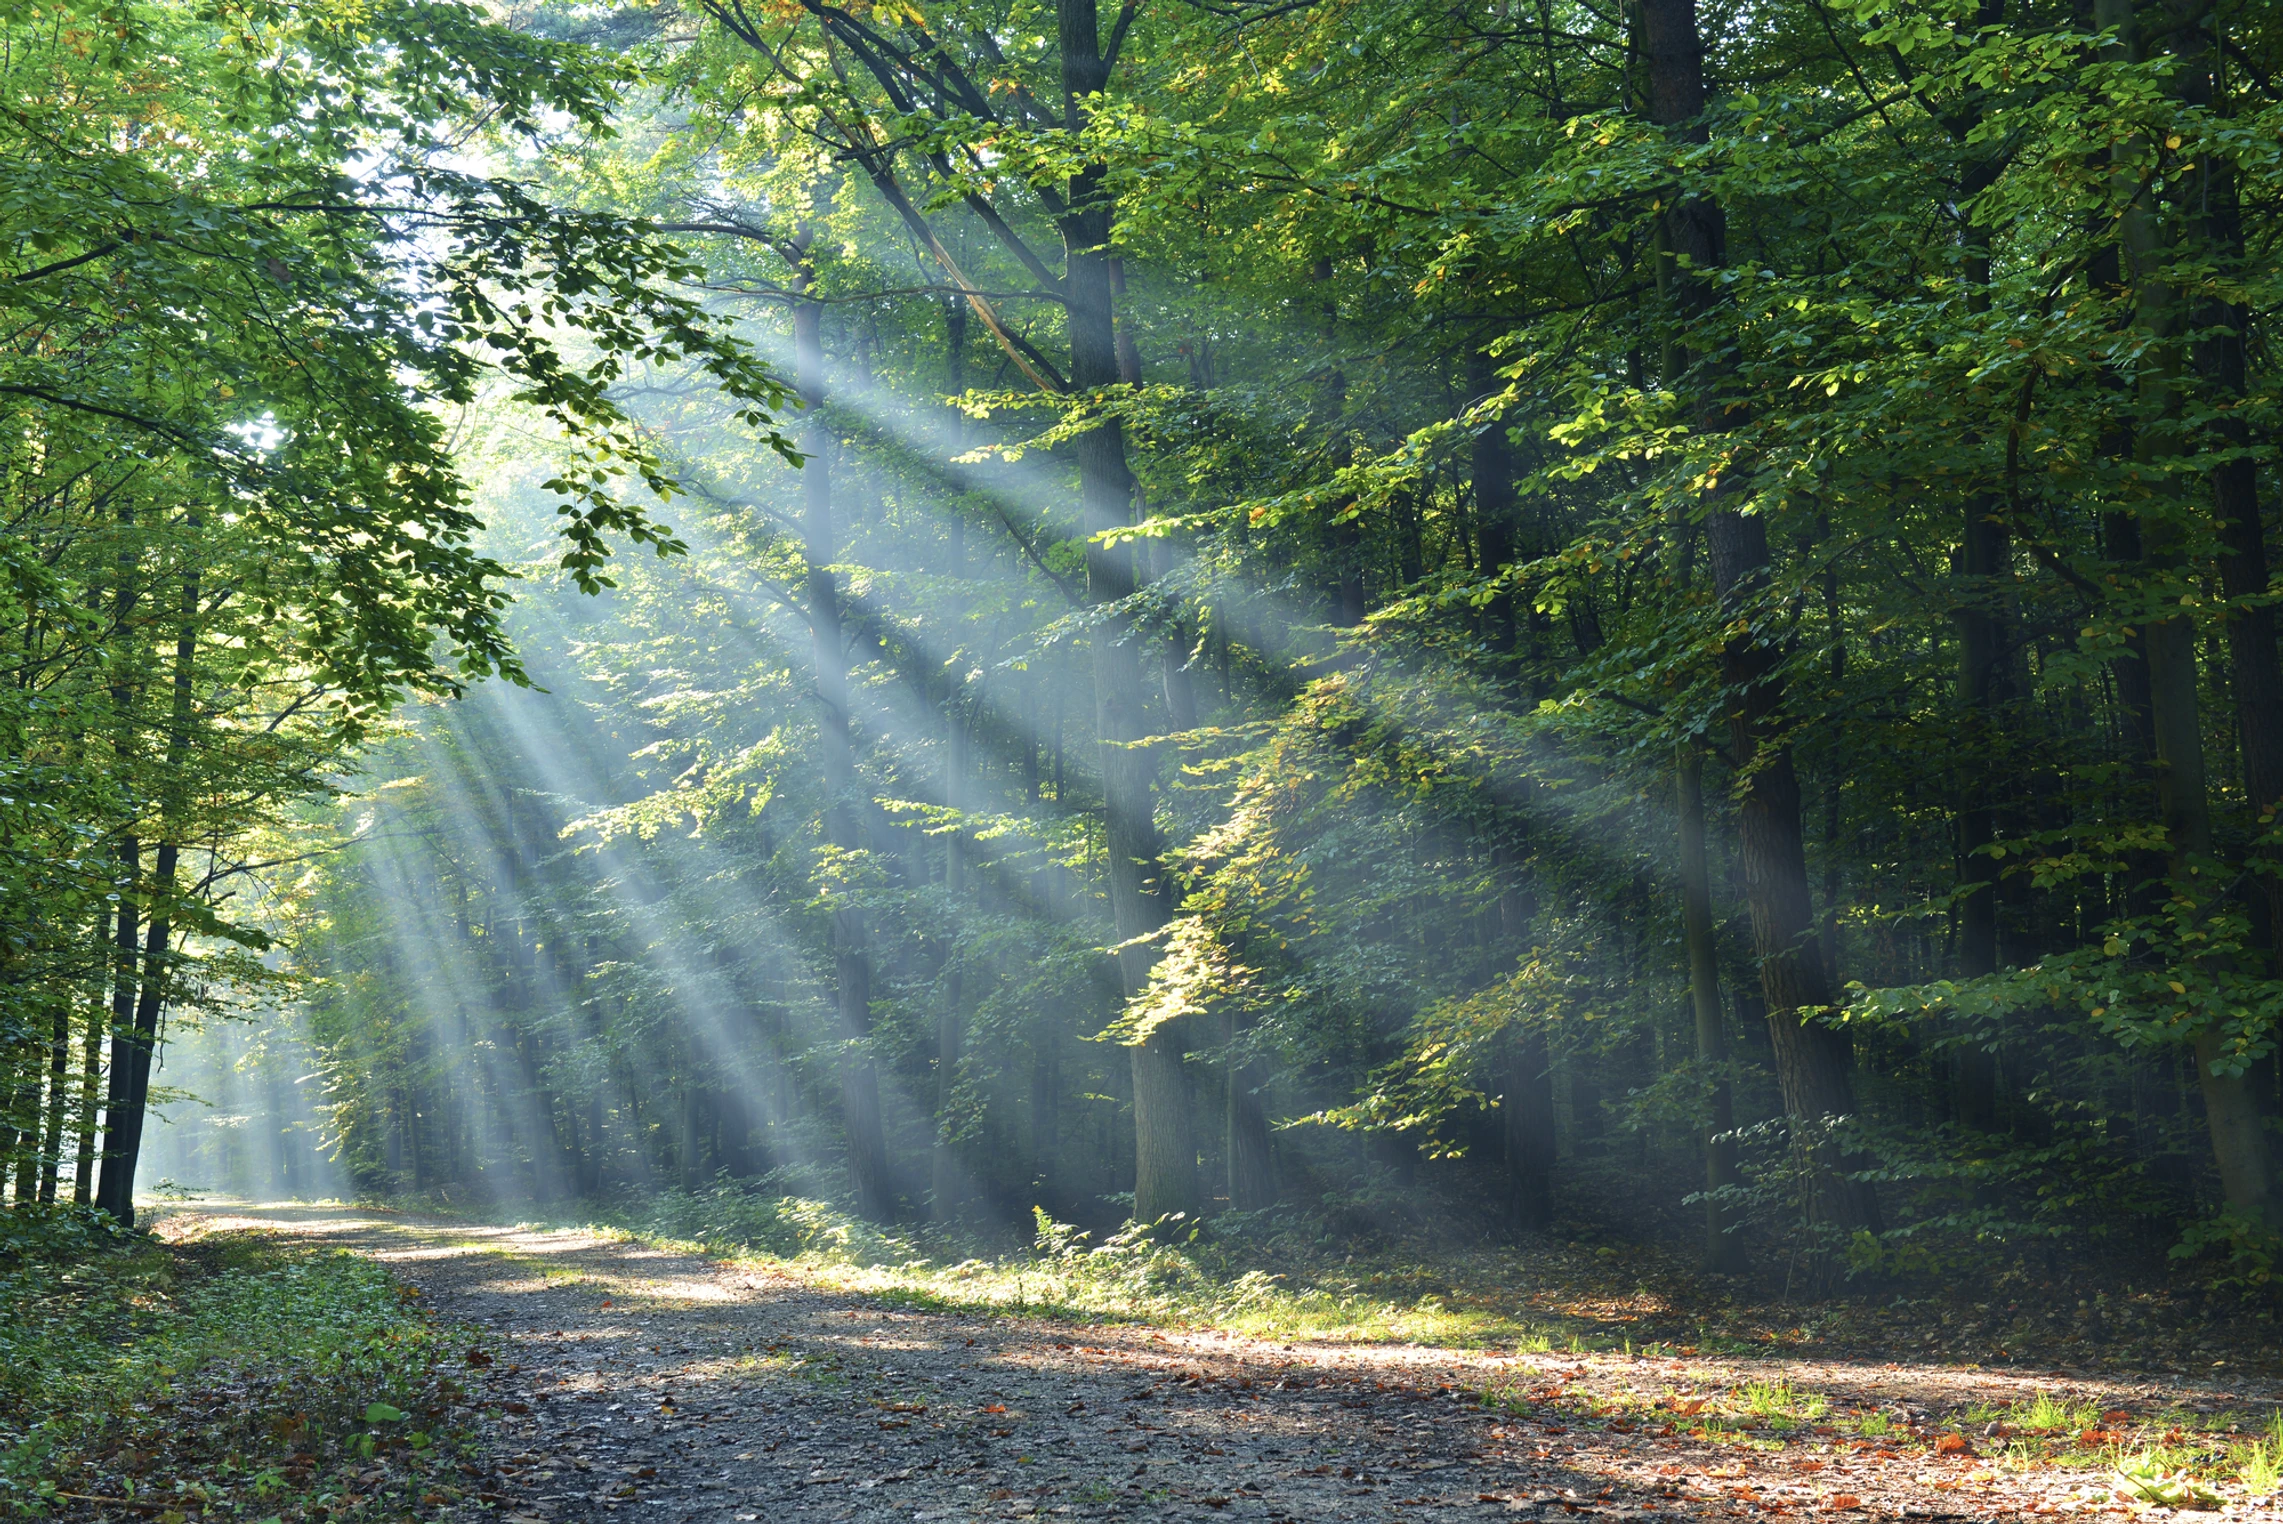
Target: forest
1141, 648
1357, 622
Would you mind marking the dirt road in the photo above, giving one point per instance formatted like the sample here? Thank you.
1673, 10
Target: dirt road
662, 1389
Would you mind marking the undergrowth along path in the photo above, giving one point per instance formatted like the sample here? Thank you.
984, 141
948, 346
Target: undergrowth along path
634, 1383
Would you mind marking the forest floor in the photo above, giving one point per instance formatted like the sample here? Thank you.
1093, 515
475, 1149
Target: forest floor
622, 1380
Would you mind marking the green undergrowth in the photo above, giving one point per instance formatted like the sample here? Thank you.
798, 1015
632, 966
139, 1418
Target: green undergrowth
2162, 1455
226, 1376
1275, 1274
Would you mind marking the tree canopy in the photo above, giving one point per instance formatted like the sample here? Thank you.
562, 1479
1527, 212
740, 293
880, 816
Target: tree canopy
1259, 604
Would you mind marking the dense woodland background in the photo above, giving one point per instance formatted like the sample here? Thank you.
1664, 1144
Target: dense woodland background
1418, 613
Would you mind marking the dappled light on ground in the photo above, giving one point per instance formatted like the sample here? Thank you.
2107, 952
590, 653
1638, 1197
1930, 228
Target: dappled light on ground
631, 1381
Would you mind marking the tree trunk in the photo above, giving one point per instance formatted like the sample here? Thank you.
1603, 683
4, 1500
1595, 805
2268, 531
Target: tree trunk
131, 1069
1526, 1128
2255, 677
1165, 1153
1251, 1156
91, 1066
59, 1080
1494, 501
1811, 1060
1983, 553
947, 1191
1723, 1250
852, 965
2231, 1107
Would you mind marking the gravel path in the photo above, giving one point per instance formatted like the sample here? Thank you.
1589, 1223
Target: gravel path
655, 1388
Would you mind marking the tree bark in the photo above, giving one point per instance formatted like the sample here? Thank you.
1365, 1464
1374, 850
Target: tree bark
59, 1080
1811, 1060
2231, 1107
946, 1183
1165, 1152
1251, 1156
1723, 1250
1983, 552
1494, 501
852, 965
91, 1066
1526, 1128
131, 1070
2255, 676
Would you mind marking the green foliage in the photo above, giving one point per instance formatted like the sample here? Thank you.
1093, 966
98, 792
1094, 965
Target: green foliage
229, 1366
261, 258
1451, 481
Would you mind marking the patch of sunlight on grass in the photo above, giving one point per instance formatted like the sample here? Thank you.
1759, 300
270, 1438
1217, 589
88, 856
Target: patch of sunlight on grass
2046, 1411
1780, 1399
2260, 1468
1176, 1275
1141, 1282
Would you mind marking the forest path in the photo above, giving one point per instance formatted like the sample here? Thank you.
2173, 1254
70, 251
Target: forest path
657, 1388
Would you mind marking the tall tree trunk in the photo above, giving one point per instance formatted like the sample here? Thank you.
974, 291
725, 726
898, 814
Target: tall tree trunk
1723, 1250
91, 1065
1812, 1060
1046, 1102
2231, 1107
1983, 553
687, 1150
947, 1178
59, 1082
1526, 1128
131, 1089
1494, 501
2232, 1112
2255, 677
1251, 1156
852, 964
1165, 1151
112, 1193
947, 1190
1525, 1077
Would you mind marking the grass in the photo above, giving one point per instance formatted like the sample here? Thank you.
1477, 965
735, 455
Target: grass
1258, 1274
226, 1375
1782, 1402
2046, 1411
2259, 1465
2168, 1459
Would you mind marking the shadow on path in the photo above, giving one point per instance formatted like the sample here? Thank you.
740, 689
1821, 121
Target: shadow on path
649, 1386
